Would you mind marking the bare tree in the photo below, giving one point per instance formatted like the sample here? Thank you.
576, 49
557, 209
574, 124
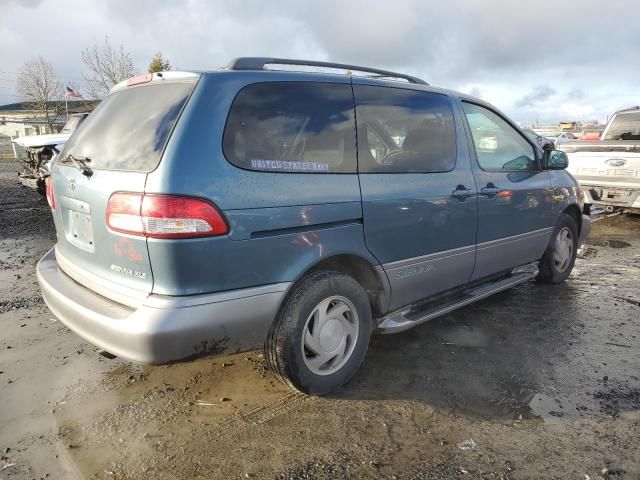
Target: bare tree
39, 86
106, 66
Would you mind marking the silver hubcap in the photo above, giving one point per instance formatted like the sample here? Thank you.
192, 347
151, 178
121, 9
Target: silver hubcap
563, 249
330, 335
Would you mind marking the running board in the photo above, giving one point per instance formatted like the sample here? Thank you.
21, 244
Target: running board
407, 318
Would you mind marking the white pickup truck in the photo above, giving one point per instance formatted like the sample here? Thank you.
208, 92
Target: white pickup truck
609, 169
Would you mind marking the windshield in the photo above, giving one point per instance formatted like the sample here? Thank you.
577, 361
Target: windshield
624, 126
130, 128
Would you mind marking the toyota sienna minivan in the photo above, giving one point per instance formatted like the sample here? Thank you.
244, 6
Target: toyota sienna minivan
221, 211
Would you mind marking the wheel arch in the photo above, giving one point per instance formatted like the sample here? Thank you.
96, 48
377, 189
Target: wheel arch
573, 210
371, 277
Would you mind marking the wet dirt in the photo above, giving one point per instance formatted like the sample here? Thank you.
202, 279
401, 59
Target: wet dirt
544, 379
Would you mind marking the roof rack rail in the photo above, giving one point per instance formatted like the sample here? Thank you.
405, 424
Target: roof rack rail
258, 63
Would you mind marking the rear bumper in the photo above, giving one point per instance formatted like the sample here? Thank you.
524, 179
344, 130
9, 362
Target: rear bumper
612, 195
585, 229
162, 328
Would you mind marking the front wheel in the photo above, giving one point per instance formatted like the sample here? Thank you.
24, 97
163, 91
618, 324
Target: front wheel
558, 259
322, 333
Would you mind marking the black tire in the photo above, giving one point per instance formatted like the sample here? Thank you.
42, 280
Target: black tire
551, 271
284, 349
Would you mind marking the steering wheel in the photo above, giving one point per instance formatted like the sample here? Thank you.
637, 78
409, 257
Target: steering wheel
390, 157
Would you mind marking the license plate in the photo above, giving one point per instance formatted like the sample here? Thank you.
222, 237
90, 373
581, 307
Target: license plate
80, 230
76, 219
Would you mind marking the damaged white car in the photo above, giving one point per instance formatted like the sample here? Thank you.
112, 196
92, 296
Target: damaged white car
41, 150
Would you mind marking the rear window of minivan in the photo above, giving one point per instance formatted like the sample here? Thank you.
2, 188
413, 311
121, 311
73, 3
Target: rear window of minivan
289, 127
129, 129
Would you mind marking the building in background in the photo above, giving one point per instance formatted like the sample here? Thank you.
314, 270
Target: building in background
20, 119
576, 127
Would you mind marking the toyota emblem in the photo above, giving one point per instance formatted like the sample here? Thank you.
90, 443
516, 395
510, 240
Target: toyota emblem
72, 184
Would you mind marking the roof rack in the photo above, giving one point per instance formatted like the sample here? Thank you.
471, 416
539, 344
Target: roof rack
258, 63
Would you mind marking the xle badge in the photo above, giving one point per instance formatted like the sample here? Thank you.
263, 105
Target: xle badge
128, 271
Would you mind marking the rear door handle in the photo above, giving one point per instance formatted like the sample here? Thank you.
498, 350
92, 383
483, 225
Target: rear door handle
489, 191
461, 193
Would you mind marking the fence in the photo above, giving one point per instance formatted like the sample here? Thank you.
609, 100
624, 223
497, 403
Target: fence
8, 149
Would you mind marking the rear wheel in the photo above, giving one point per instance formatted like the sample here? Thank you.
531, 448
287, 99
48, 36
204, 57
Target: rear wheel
321, 335
558, 260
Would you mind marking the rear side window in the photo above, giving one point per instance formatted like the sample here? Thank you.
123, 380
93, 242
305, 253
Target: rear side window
130, 128
303, 127
404, 131
624, 126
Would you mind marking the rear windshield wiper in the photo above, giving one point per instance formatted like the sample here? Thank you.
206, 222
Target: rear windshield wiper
81, 162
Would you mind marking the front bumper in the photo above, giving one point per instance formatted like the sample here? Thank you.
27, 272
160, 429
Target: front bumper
162, 328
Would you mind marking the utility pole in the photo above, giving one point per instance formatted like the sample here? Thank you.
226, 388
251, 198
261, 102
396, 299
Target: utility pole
66, 103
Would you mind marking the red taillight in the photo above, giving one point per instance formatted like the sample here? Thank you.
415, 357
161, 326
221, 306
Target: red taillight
123, 213
48, 183
164, 216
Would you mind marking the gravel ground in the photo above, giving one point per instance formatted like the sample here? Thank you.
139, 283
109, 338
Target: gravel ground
536, 382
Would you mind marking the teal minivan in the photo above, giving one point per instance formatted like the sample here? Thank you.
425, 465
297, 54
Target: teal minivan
202, 213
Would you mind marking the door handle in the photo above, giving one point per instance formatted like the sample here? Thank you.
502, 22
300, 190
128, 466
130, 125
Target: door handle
461, 192
489, 191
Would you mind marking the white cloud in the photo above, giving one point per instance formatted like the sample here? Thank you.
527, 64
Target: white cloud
500, 50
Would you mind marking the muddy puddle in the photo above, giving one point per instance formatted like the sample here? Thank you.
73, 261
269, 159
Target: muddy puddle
538, 372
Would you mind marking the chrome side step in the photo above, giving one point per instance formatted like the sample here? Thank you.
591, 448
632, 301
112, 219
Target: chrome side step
407, 318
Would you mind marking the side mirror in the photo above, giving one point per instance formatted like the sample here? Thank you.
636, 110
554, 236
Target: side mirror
554, 160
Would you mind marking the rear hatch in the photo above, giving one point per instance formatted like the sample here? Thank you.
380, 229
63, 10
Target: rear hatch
613, 162
603, 165
112, 151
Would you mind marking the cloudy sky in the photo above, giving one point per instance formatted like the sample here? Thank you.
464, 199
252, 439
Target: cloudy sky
545, 60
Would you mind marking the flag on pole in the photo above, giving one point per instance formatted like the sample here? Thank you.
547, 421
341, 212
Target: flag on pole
72, 93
